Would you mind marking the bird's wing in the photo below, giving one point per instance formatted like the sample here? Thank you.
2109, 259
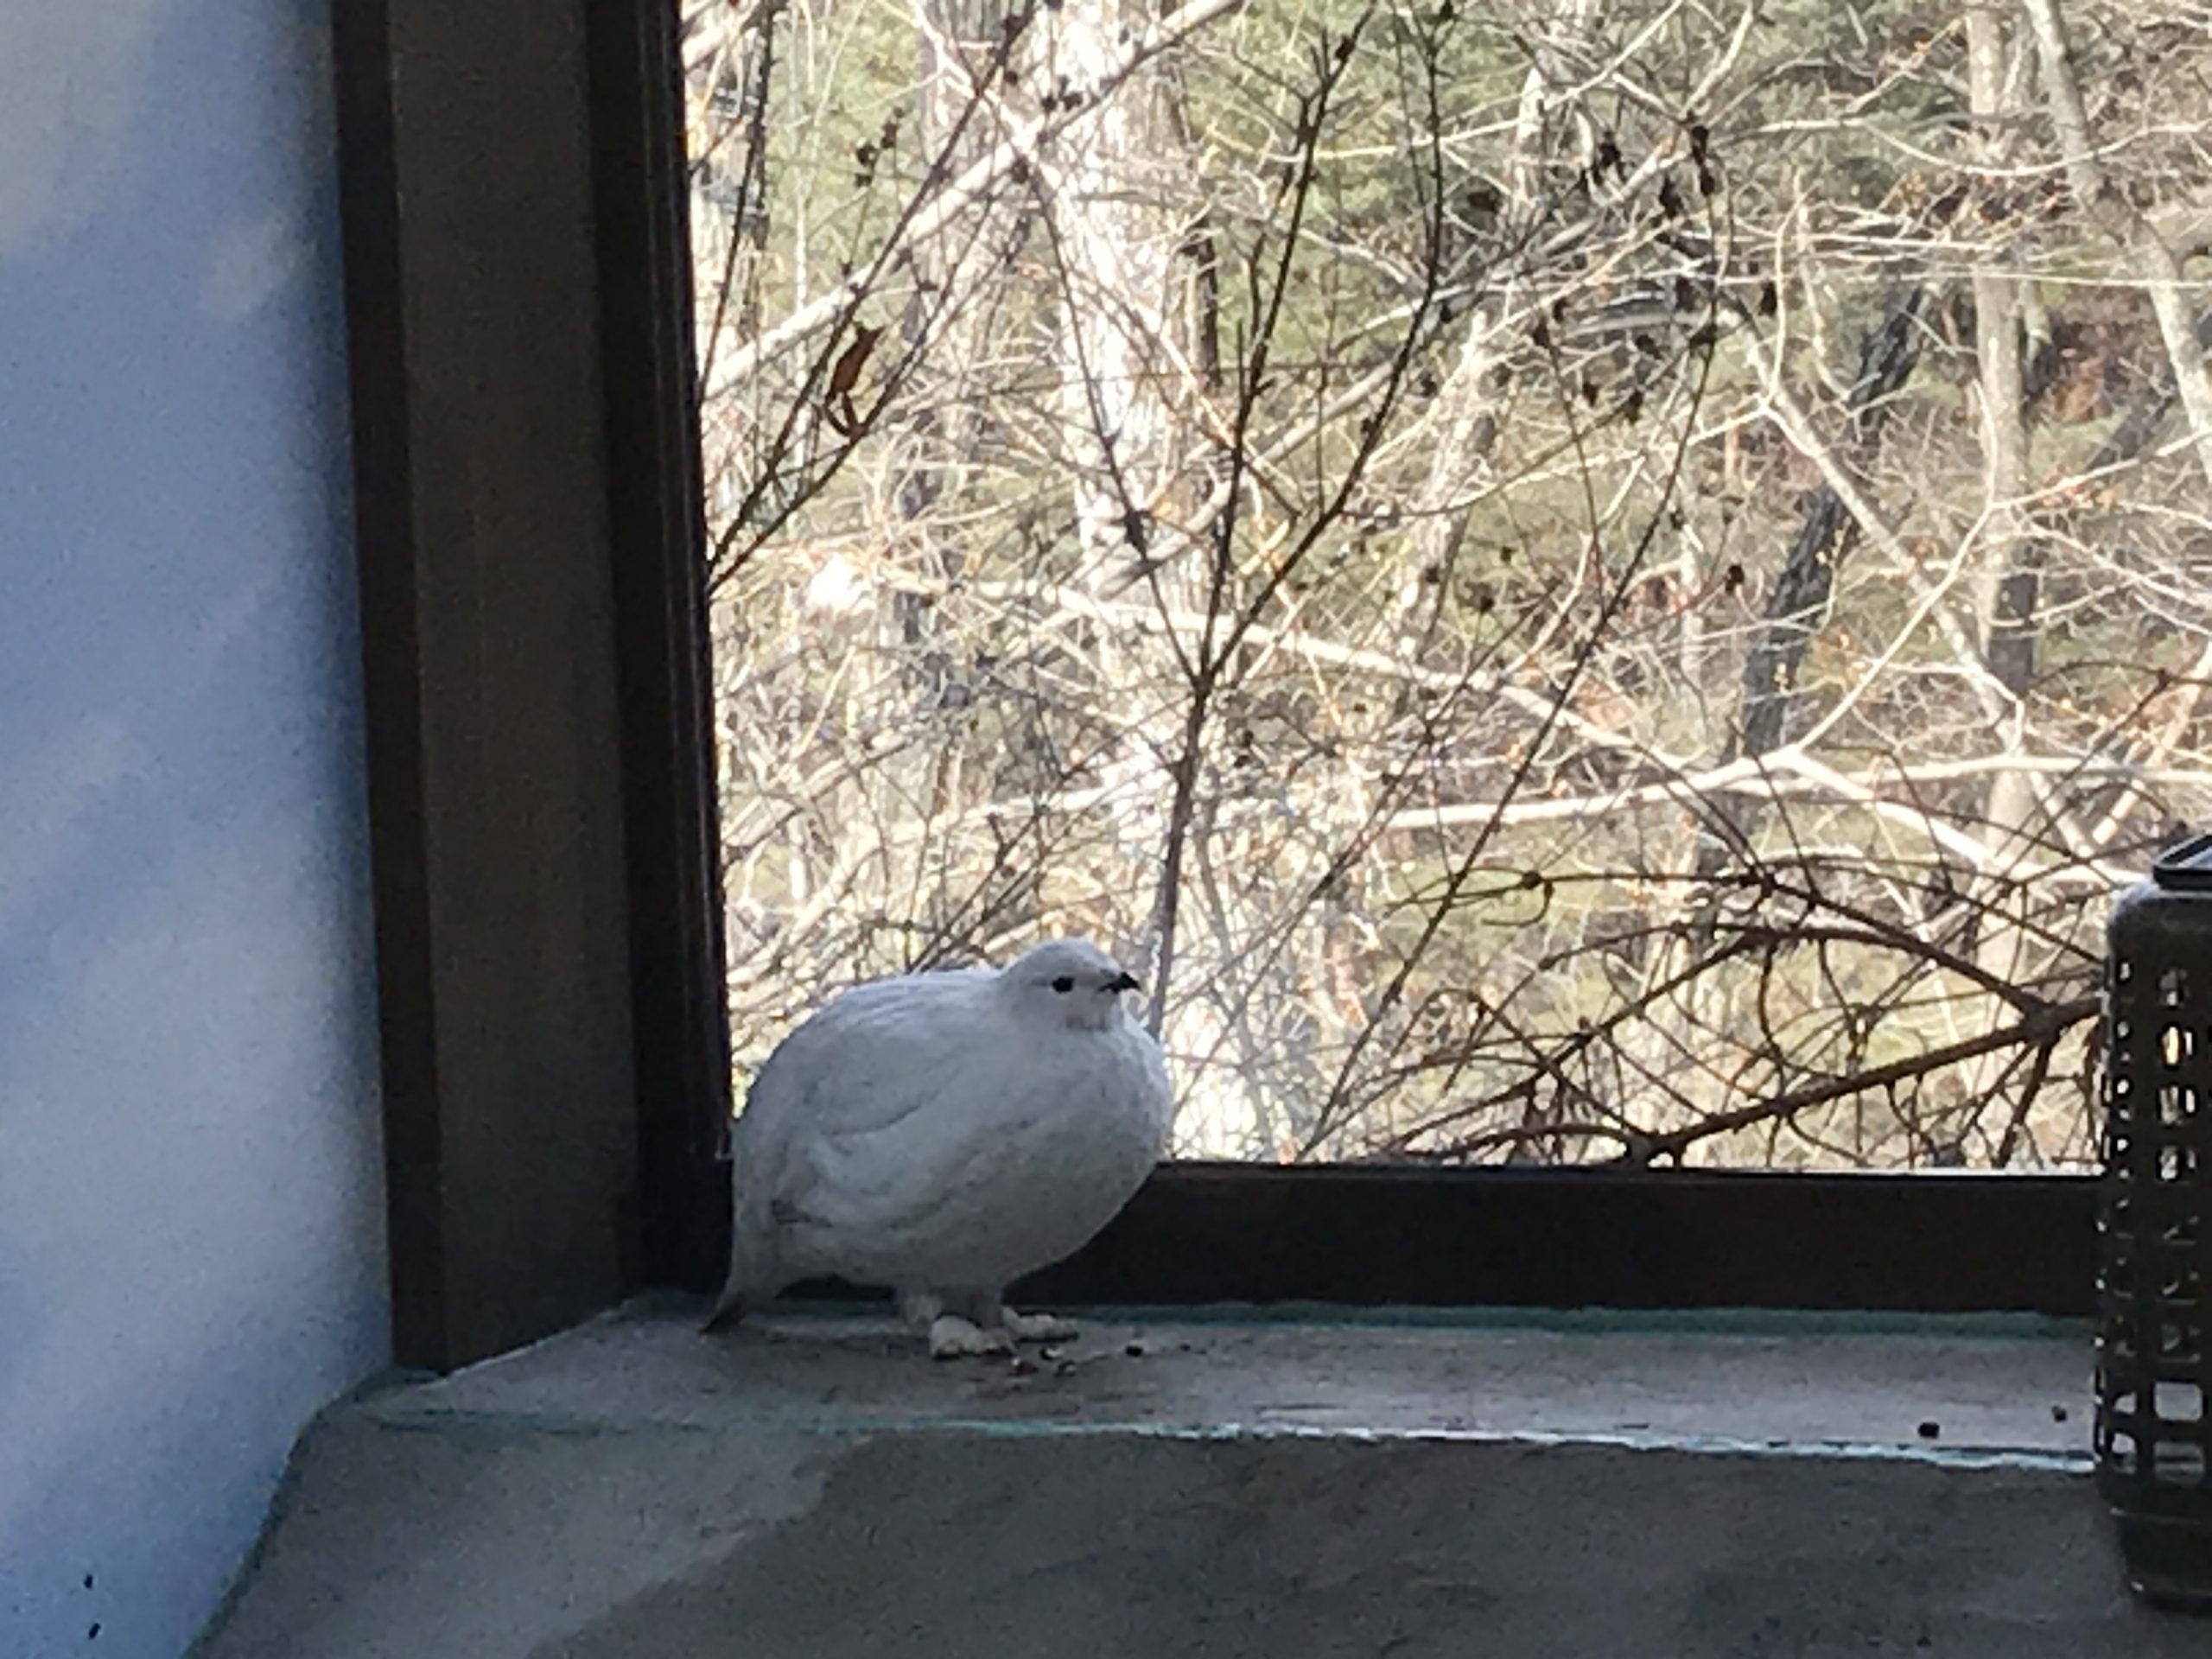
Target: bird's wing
864, 1067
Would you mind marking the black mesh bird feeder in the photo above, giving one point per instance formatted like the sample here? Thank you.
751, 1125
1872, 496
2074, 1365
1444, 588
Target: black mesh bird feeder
2154, 1338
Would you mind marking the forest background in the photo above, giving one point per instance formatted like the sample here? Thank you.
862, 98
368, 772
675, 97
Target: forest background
1568, 581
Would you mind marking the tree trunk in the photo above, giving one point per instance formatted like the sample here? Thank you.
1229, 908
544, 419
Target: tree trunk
2008, 581
2156, 264
1461, 424
1114, 244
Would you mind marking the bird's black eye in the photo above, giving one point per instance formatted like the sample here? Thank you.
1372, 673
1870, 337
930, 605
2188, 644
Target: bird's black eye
1064, 983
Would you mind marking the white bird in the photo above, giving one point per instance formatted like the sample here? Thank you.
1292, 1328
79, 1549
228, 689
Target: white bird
944, 1133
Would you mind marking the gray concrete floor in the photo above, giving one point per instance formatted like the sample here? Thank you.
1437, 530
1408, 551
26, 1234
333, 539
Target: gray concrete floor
813, 1485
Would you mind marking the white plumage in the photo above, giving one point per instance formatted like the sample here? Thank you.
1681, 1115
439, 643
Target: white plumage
944, 1133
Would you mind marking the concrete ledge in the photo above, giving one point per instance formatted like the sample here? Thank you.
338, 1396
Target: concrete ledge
814, 1487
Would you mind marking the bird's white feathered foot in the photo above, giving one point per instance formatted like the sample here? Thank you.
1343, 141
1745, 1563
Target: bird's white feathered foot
1037, 1327
953, 1338
982, 1325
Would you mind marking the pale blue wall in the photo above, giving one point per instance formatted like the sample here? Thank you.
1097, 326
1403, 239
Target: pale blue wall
191, 1216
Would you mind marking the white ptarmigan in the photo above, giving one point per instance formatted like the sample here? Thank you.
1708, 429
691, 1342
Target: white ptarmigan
944, 1133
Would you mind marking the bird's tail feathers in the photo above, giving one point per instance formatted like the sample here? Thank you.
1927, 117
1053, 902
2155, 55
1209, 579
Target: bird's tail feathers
729, 1310
752, 1278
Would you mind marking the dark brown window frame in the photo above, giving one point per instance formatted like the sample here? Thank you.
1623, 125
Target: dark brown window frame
556, 1066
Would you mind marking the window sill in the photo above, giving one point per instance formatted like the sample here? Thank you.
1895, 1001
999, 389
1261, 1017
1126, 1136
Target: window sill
1998, 1387
1572, 1485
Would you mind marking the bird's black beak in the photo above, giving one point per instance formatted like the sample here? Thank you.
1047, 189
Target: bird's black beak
1124, 983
